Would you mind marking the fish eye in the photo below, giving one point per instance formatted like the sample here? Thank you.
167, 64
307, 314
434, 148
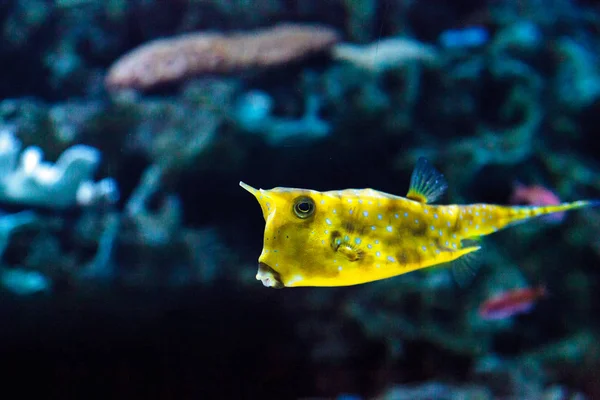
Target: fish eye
304, 207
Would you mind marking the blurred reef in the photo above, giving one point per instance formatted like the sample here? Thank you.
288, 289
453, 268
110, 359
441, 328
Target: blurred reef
129, 250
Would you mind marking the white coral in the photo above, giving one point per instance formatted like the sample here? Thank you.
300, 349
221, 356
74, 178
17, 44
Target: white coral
30, 181
385, 54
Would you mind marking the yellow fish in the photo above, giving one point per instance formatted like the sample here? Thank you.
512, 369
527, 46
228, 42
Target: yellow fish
354, 236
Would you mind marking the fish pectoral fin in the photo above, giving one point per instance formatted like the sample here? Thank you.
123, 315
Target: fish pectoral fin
427, 184
465, 266
348, 251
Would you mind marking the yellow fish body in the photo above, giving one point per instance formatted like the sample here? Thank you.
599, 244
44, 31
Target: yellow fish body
348, 237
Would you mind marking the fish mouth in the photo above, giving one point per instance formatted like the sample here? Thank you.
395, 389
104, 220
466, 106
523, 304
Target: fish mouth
268, 276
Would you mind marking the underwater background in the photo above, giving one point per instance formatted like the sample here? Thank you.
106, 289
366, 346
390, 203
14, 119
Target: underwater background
129, 251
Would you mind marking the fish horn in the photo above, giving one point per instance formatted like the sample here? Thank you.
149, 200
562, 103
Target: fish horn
249, 188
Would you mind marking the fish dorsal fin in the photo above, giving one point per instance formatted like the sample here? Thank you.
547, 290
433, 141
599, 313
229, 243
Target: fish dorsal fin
427, 184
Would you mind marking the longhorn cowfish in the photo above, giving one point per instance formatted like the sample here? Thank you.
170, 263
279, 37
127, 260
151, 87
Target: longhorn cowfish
354, 236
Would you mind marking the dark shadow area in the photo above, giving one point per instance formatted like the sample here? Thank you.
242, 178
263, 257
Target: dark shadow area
200, 343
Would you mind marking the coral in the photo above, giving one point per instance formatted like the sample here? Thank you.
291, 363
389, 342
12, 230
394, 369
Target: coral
435, 390
527, 388
30, 181
464, 38
517, 37
25, 20
361, 17
102, 266
358, 94
177, 58
18, 280
23, 282
429, 294
156, 249
69, 121
156, 228
54, 127
577, 83
9, 223
253, 113
506, 136
510, 379
572, 360
577, 352
177, 134
364, 99
385, 54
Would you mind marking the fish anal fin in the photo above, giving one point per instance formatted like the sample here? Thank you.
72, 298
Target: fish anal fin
465, 267
427, 184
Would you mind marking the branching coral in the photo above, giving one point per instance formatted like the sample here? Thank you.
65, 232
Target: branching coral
253, 113
506, 136
577, 83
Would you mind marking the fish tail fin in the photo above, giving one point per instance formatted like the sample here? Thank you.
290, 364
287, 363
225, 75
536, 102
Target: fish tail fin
572, 206
509, 215
537, 211
591, 203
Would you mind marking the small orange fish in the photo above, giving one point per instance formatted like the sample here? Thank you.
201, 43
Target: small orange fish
353, 236
511, 303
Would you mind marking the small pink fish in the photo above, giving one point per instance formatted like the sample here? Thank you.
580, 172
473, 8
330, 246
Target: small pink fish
536, 195
511, 303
